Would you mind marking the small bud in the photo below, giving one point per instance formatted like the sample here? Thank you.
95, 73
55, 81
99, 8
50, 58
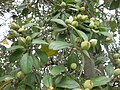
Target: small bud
77, 40
73, 66
75, 23
21, 30
117, 72
116, 55
82, 9
20, 75
63, 4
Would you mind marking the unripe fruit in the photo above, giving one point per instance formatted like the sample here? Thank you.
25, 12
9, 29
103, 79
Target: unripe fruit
20, 75
84, 17
116, 55
75, 23
117, 72
88, 84
21, 30
79, 16
117, 61
21, 41
28, 39
67, 21
92, 24
108, 40
92, 19
85, 45
50, 88
77, 40
93, 42
73, 66
14, 26
82, 9
77, 7
77, 89
63, 4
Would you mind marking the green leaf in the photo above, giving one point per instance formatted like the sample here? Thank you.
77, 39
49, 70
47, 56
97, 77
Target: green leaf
16, 55
56, 45
68, 83
109, 69
101, 80
38, 41
82, 34
35, 35
47, 80
106, 34
56, 70
26, 63
29, 25
59, 21
36, 62
15, 47
5, 78
43, 56
115, 4
113, 24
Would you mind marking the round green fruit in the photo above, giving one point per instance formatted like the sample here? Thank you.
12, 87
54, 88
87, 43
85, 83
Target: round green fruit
116, 55
63, 4
28, 39
108, 40
93, 42
14, 26
79, 16
20, 75
82, 9
73, 66
50, 88
88, 84
21, 41
75, 23
117, 61
117, 72
77, 40
21, 30
67, 21
85, 45
84, 17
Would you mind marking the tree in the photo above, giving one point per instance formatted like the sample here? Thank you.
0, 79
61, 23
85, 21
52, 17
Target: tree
61, 45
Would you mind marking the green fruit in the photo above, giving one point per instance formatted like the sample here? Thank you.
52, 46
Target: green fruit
79, 17
117, 61
20, 75
21, 41
92, 24
117, 72
77, 89
63, 4
93, 42
116, 55
77, 40
28, 39
82, 9
85, 45
75, 23
77, 7
108, 40
92, 19
21, 30
14, 26
50, 88
88, 84
84, 17
67, 21
73, 66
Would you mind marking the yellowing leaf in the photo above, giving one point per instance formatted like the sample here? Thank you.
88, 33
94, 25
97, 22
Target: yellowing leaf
48, 51
5, 42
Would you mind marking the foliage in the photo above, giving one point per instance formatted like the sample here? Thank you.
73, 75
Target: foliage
58, 45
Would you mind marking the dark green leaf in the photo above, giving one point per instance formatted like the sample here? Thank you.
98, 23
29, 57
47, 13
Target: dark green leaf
26, 63
59, 21
115, 4
101, 80
15, 47
43, 56
56, 45
68, 83
56, 70
36, 62
82, 34
109, 69
113, 24
38, 41
47, 80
